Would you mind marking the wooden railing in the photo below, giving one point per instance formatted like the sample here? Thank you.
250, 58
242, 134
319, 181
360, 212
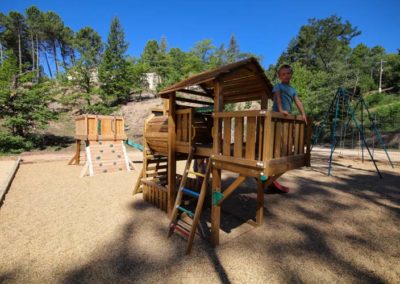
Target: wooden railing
260, 141
99, 127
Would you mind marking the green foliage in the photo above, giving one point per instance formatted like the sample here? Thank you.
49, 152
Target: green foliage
10, 143
113, 72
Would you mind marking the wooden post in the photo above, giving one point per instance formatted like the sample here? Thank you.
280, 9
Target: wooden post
216, 173
260, 203
264, 102
171, 154
308, 142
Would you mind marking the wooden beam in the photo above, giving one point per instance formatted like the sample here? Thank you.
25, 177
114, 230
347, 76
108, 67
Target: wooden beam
231, 188
243, 113
247, 163
171, 154
180, 99
216, 173
193, 92
284, 164
260, 202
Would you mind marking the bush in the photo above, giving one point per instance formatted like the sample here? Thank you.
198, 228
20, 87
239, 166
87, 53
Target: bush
14, 143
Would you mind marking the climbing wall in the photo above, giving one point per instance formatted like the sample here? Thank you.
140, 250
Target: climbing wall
108, 156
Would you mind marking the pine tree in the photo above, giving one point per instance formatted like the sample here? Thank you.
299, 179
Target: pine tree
114, 72
232, 53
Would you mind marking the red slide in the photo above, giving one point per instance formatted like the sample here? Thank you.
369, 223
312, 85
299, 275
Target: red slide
276, 185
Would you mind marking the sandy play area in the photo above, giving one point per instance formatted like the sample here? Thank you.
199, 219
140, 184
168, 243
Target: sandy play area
57, 227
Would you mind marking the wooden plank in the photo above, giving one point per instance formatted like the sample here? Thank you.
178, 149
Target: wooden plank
192, 101
268, 143
260, 137
296, 138
185, 125
226, 149
278, 115
238, 136
260, 203
156, 135
284, 164
243, 113
301, 138
193, 92
308, 142
290, 139
235, 168
216, 173
251, 138
277, 139
179, 127
171, 154
239, 161
285, 135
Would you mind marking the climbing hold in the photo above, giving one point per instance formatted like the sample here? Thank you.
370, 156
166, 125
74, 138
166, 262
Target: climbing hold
119, 156
263, 178
111, 145
101, 164
114, 163
113, 151
98, 158
104, 171
101, 151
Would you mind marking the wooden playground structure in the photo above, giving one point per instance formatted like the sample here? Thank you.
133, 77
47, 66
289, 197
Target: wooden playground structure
194, 126
103, 137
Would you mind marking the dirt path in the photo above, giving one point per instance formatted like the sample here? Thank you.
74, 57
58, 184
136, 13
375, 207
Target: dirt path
57, 227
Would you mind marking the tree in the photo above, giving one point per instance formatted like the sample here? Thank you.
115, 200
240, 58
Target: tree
232, 52
150, 56
34, 20
53, 27
89, 46
23, 109
114, 72
320, 43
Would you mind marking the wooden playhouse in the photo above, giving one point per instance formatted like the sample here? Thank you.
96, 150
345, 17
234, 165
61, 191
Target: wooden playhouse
194, 125
103, 137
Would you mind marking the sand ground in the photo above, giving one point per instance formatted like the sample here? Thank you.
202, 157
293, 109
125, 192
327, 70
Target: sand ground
56, 227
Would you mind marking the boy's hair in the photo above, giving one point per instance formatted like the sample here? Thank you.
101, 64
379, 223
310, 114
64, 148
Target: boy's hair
285, 66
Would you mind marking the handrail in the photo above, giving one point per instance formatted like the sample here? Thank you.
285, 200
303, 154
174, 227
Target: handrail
260, 136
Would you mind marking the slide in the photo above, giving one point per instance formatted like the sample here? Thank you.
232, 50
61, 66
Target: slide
276, 185
134, 145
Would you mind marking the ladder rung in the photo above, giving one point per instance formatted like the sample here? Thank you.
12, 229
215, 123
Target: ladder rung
180, 230
190, 192
190, 213
197, 174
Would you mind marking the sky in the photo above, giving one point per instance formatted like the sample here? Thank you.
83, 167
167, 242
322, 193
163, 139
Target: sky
261, 27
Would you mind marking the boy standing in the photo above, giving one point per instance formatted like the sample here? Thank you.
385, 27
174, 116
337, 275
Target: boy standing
284, 94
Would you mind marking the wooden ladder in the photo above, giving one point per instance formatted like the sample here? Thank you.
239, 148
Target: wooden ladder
177, 223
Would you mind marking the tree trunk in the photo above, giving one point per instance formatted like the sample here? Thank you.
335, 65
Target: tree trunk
1, 54
48, 65
63, 57
55, 56
19, 52
33, 53
37, 59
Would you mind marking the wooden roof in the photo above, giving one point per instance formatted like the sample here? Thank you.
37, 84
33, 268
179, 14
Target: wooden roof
244, 80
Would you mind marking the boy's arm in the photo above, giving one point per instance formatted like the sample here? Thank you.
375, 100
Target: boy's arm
277, 99
299, 105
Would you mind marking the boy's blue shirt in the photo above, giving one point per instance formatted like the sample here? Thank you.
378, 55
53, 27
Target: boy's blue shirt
288, 93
